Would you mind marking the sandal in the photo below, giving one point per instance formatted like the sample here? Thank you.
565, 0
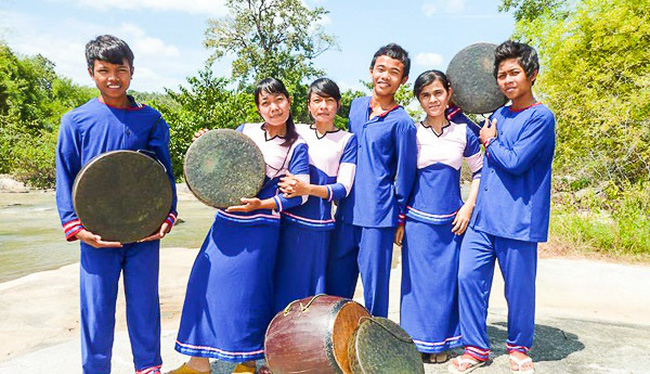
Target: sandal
473, 365
520, 362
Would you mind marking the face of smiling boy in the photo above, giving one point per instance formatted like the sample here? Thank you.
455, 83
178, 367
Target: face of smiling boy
387, 75
112, 80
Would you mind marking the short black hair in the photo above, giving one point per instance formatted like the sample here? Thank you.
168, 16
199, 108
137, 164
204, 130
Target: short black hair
393, 50
324, 87
525, 55
427, 78
108, 48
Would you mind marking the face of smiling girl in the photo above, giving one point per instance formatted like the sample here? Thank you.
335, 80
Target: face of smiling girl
434, 98
274, 108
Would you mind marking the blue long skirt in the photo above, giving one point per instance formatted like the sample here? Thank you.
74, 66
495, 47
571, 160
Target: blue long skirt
300, 264
229, 299
429, 302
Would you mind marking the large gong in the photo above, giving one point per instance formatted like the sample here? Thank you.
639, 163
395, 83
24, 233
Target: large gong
471, 74
122, 196
222, 166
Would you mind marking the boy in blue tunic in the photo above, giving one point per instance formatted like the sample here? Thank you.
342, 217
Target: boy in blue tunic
362, 240
113, 121
511, 214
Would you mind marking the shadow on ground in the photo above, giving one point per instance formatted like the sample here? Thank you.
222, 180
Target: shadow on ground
551, 343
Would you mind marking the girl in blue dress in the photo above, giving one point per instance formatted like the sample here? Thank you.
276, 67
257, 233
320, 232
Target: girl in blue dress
306, 229
436, 219
229, 299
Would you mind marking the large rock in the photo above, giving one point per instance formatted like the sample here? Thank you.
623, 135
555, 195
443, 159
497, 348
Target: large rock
8, 184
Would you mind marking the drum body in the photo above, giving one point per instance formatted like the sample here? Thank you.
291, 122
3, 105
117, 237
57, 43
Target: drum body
122, 195
311, 335
471, 74
380, 346
222, 166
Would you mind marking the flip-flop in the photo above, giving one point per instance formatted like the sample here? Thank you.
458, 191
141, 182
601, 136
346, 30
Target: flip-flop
473, 365
521, 362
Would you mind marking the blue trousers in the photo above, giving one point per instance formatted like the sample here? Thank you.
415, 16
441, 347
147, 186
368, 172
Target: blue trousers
99, 276
300, 264
518, 264
429, 301
364, 250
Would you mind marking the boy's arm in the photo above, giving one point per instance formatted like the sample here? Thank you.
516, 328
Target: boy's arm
159, 144
537, 134
299, 167
68, 164
406, 151
347, 169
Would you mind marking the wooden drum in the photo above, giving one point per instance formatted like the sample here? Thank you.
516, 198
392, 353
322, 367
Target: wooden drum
311, 335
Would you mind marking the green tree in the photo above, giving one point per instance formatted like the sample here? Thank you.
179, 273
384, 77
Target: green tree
208, 102
271, 38
595, 76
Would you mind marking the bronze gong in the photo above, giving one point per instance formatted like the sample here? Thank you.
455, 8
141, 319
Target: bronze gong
122, 195
222, 166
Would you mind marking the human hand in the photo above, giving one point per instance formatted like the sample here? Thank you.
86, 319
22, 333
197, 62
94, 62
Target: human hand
399, 235
488, 131
162, 231
461, 221
249, 205
199, 134
95, 240
291, 186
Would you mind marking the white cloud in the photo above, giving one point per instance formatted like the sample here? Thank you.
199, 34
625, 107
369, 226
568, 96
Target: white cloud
447, 6
345, 86
429, 9
429, 60
158, 63
215, 8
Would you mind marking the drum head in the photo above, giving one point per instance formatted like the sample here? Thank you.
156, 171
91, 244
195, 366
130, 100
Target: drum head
379, 345
471, 74
122, 196
222, 166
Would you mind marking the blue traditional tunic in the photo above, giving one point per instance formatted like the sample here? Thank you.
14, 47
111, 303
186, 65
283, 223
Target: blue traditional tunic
305, 233
386, 164
88, 131
229, 299
511, 216
429, 302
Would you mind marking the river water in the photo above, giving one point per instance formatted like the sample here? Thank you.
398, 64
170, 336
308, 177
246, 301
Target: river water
31, 238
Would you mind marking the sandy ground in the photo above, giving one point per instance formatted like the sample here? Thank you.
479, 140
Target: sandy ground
583, 308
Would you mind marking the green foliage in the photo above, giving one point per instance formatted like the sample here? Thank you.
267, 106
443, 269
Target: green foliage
208, 102
269, 38
595, 76
529, 10
32, 100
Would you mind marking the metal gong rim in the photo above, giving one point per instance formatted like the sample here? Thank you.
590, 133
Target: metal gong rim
222, 166
122, 196
471, 74
382, 346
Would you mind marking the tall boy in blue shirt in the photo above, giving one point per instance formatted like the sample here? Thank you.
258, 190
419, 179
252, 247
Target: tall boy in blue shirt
113, 121
362, 240
511, 214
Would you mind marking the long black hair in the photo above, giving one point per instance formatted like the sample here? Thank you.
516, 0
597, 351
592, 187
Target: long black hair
275, 86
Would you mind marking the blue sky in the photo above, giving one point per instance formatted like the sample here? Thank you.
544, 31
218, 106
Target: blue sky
167, 35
